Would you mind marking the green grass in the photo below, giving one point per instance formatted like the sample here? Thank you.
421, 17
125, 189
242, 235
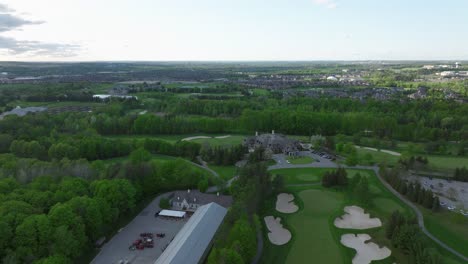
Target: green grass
225, 172
301, 160
311, 175
447, 162
314, 239
450, 227
213, 141
377, 156
156, 157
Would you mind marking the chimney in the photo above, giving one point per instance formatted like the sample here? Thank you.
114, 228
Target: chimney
188, 191
272, 132
256, 133
217, 194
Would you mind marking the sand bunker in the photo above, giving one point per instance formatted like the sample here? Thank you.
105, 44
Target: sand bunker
285, 204
277, 235
197, 137
366, 252
221, 137
355, 218
204, 137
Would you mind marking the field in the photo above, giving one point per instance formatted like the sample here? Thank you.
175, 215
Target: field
225, 172
314, 236
378, 156
213, 141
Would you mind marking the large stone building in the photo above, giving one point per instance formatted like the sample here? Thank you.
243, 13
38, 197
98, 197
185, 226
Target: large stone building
274, 143
190, 200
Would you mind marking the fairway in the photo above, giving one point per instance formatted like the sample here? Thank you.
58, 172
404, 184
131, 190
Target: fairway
224, 140
313, 175
314, 241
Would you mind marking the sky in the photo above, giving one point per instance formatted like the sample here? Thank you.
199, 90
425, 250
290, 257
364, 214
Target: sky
241, 30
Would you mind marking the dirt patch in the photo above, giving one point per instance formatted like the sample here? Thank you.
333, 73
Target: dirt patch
355, 218
365, 252
278, 235
285, 203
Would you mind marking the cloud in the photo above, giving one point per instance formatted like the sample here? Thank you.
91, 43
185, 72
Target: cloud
13, 46
4, 8
10, 22
331, 4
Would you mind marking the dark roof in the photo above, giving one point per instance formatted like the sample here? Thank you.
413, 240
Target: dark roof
195, 196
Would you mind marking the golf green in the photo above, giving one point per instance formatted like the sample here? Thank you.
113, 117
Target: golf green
314, 240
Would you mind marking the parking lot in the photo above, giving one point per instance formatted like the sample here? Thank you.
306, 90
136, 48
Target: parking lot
117, 249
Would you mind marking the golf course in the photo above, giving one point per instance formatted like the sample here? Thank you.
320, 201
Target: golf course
315, 237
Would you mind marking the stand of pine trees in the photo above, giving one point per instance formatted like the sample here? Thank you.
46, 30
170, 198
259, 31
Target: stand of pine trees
405, 235
335, 178
413, 191
461, 174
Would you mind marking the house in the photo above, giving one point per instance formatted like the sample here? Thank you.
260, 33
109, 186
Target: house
275, 143
191, 200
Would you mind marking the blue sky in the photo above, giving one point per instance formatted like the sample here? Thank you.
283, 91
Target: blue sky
233, 30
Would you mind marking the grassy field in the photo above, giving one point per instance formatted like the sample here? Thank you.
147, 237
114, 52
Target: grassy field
225, 172
314, 241
213, 141
314, 234
301, 160
378, 156
452, 228
447, 162
156, 157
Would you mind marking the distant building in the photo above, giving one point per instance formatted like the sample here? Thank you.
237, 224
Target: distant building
22, 111
332, 78
104, 97
194, 240
191, 200
275, 143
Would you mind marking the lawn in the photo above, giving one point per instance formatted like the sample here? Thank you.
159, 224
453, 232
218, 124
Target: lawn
225, 172
447, 162
377, 156
213, 141
452, 228
313, 236
301, 160
310, 175
157, 157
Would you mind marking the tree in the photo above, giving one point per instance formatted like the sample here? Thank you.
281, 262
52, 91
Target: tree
278, 183
139, 156
54, 259
352, 159
362, 191
5, 142
120, 194
164, 203
203, 185
34, 233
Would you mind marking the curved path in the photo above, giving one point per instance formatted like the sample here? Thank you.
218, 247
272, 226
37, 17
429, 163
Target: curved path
329, 164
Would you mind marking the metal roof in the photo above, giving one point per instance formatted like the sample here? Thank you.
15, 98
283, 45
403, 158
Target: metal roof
192, 241
172, 213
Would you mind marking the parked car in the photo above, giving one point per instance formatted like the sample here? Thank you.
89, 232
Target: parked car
161, 235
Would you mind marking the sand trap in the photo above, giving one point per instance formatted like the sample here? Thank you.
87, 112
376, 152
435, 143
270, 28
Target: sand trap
277, 235
285, 204
393, 153
366, 252
355, 218
197, 137
221, 137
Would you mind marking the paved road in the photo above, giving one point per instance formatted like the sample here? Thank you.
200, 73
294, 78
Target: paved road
323, 163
